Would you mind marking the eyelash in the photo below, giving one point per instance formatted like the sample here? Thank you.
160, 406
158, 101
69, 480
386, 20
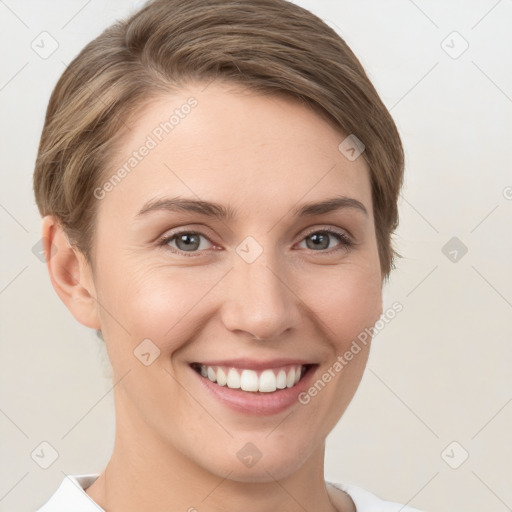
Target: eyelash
345, 242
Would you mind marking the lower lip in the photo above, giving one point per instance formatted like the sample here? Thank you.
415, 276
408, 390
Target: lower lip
257, 403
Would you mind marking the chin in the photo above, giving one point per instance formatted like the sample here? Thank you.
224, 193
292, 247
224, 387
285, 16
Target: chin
261, 461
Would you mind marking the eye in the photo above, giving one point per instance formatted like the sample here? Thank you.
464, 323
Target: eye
191, 242
186, 241
321, 240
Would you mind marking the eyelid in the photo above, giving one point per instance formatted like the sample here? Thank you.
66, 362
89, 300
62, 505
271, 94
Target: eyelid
329, 229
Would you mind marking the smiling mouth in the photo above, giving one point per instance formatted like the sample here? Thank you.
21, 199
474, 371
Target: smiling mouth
263, 381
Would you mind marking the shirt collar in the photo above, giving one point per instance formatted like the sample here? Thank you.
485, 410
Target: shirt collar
71, 492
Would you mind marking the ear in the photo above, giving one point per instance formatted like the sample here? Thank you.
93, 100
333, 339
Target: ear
70, 273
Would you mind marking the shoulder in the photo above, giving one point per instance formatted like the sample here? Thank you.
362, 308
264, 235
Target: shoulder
365, 501
71, 492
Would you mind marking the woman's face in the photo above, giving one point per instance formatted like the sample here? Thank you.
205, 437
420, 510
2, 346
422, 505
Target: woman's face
250, 283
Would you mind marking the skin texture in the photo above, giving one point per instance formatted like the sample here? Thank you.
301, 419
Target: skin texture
261, 156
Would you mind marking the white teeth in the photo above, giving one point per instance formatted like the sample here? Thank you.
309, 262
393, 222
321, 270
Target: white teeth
268, 381
281, 379
222, 378
233, 380
290, 378
248, 380
211, 374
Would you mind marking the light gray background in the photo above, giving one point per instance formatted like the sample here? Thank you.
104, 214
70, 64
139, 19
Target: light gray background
439, 372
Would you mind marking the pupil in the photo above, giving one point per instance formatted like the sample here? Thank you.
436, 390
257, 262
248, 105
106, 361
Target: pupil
319, 241
191, 242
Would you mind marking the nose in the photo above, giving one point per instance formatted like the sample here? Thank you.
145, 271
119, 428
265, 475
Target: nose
259, 299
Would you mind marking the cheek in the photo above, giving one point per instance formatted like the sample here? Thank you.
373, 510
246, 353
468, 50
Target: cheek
161, 303
345, 301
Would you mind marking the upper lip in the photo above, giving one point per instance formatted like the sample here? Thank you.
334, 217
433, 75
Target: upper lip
253, 364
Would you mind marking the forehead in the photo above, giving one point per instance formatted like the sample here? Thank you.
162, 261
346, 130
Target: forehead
233, 146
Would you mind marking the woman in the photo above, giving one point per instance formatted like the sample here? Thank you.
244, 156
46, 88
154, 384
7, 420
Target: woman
219, 183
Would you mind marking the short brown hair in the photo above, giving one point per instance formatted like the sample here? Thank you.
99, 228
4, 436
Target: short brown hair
270, 46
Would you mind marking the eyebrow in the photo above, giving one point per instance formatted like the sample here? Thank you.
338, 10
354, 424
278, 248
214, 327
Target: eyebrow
216, 210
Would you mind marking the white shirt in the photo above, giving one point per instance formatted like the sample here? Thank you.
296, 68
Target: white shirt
71, 497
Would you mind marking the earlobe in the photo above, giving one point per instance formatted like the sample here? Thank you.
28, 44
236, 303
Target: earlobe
70, 273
